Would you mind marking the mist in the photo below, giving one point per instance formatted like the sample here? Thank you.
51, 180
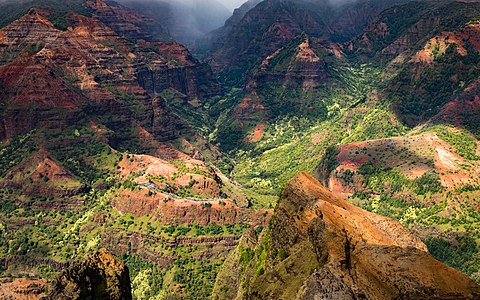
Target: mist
229, 4
186, 20
232, 4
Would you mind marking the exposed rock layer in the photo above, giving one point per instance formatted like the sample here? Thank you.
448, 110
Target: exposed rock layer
322, 247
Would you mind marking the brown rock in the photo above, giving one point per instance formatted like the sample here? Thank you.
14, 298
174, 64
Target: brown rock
22, 288
322, 247
100, 276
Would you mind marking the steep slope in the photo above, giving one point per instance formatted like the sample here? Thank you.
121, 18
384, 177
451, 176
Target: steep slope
119, 18
289, 59
431, 50
298, 79
209, 41
427, 180
269, 25
107, 70
441, 155
106, 141
462, 111
390, 68
319, 245
100, 276
40, 174
236, 17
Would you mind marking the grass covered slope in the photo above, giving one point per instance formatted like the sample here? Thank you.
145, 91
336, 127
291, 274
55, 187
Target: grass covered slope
133, 146
431, 52
159, 216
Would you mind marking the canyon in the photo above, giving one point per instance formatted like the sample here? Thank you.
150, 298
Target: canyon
143, 157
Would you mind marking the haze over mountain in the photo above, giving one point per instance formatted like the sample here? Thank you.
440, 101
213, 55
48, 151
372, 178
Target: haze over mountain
186, 20
232, 4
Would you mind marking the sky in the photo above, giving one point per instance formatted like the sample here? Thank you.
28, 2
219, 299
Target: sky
232, 4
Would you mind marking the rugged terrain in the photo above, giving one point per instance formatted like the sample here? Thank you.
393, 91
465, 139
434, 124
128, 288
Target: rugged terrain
318, 245
391, 115
103, 130
114, 135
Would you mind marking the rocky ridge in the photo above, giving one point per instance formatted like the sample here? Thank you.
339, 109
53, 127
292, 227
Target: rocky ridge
107, 70
319, 245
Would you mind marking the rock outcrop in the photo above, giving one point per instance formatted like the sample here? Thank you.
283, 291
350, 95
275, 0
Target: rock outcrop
22, 289
100, 276
319, 246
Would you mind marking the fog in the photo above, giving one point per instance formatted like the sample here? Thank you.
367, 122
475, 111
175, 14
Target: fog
189, 20
229, 4
186, 20
232, 4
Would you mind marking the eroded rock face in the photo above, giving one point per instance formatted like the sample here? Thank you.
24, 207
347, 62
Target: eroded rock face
417, 49
22, 288
112, 63
260, 27
127, 22
188, 211
100, 276
305, 69
262, 30
325, 285
322, 247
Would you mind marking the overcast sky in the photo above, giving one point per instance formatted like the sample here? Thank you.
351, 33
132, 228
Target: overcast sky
232, 4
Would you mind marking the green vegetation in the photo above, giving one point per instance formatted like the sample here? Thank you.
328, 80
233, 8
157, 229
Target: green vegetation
461, 253
173, 269
291, 144
93, 162
304, 127
435, 84
246, 255
262, 252
16, 151
388, 181
462, 141
75, 225
423, 202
